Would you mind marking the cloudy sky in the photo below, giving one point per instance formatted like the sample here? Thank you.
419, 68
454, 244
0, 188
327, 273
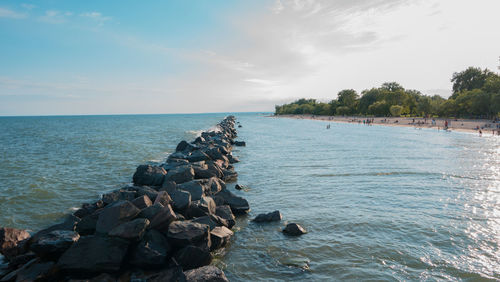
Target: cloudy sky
112, 57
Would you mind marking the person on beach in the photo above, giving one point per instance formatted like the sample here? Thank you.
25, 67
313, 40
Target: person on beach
480, 133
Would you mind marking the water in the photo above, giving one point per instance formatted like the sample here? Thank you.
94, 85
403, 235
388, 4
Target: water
380, 203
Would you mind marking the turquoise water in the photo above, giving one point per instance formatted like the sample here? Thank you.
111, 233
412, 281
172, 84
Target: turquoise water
380, 203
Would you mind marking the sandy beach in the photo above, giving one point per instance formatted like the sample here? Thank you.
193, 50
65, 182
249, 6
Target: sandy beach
465, 125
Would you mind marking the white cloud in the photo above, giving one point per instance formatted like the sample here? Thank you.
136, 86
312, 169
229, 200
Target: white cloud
56, 17
96, 16
10, 14
28, 6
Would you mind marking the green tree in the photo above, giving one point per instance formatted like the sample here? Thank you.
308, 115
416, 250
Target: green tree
343, 110
379, 108
396, 110
469, 79
348, 98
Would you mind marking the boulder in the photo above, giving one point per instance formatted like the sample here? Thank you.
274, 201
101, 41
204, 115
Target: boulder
142, 202
163, 218
213, 153
172, 274
225, 213
214, 185
19, 260
119, 195
199, 140
195, 188
53, 244
152, 251
180, 200
13, 241
229, 175
197, 156
240, 143
145, 190
132, 230
214, 169
205, 273
191, 257
180, 174
149, 175
168, 186
202, 207
38, 271
240, 187
202, 173
116, 214
88, 209
163, 198
268, 217
183, 233
151, 211
87, 225
184, 146
94, 254
238, 204
232, 159
69, 223
176, 157
220, 236
294, 229
211, 220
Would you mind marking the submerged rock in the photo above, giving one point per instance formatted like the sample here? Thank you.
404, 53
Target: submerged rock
268, 217
238, 204
294, 229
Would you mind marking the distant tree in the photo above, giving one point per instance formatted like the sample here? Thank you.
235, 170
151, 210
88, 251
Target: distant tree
379, 108
392, 86
396, 110
469, 79
343, 110
368, 97
348, 98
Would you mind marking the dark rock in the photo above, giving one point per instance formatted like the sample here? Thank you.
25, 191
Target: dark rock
214, 185
180, 200
184, 146
163, 198
214, 153
199, 140
145, 190
39, 271
172, 274
173, 163
119, 195
116, 214
168, 186
149, 175
294, 229
202, 173
152, 251
238, 204
220, 236
180, 174
239, 187
87, 225
69, 223
229, 175
225, 213
132, 230
191, 257
151, 211
232, 159
53, 244
11, 276
19, 260
177, 157
94, 254
205, 273
240, 143
211, 220
194, 188
268, 217
142, 202
183, 233
88, 209
197, 156
13, 241
202, 207
162, 219
214, 169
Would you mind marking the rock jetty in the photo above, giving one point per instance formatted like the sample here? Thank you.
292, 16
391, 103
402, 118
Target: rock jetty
164, 227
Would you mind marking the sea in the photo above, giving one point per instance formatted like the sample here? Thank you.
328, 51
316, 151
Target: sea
379, 203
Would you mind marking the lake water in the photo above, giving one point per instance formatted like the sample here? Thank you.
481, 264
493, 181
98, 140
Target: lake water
379, 203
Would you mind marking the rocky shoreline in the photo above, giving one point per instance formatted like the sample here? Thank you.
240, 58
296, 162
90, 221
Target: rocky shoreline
164, 227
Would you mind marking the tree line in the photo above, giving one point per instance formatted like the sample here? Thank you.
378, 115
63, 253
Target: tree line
476, 94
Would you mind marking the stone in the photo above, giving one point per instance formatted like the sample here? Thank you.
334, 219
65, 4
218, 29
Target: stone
132, 230
163, 218
145, 190
172, 274
294, 229
240, 143
180, 174
240, 187
88, 209
183, 233
225, 213
197, 156
215, 185
69, 223
163, 198
220, 236
20, 260
205, 273
142, 202
168, 185
181, 200
203, 173
119, 195
39, 271
202, 207
152, 251
149, 175
268, 217
238, 204
195, 188
191, 257
53, 244
13, 241
232, 159
184, 146
94, 254
116, 214
211, 220
151, 211
213, 153
229, 175
87, 225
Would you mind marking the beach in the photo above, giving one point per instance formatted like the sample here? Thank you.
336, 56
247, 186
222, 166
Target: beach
463, 125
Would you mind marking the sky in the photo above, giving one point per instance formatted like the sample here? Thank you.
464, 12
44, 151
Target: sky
145, 57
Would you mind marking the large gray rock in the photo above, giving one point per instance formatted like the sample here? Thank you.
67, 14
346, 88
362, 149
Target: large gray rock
191, 257
238, 204
116, 214
149, 175
118, 195
88, 209
93, 254
268, 217
207, 273
162, 219
151, 211
202, 207
213, 153
203, 173
38, 271
152, 251
180, 174
132, 230
69, 223
211, 220
168, 185
53, 244
12, 241
224, 211
184, 146
220, 236
195, 188
145, 190
294, 229
180, 200
183, 233
163, 198
142, 202
87, 225
197, 156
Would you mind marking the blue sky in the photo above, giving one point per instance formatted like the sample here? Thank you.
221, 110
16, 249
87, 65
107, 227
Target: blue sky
111, 57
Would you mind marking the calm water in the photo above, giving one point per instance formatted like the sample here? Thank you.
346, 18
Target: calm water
380, 203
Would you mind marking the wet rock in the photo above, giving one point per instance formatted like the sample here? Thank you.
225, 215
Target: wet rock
191, 257
119, 195
142, 202
163, 218
205, 273
225, 213
229, 175
294, 229
213, 153
214, 185
197, 156
53, 244
145, 190
202, 173
116, 214
39, 271
268, 217
132, 230
151, 211
149, 175
184, 146
183, 233
180, 200
88, 209
194, 188
93, 254
168, 186
152, 251
211, 220
202, 207
220, 236
13, 241
240, 143
163, 198
69, 223
180, 174
87, 225
238, 204
232, 159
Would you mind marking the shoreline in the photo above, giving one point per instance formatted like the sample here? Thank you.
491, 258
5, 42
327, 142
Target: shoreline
459, 125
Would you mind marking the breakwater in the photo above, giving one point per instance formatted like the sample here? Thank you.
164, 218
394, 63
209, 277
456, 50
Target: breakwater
165, 226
